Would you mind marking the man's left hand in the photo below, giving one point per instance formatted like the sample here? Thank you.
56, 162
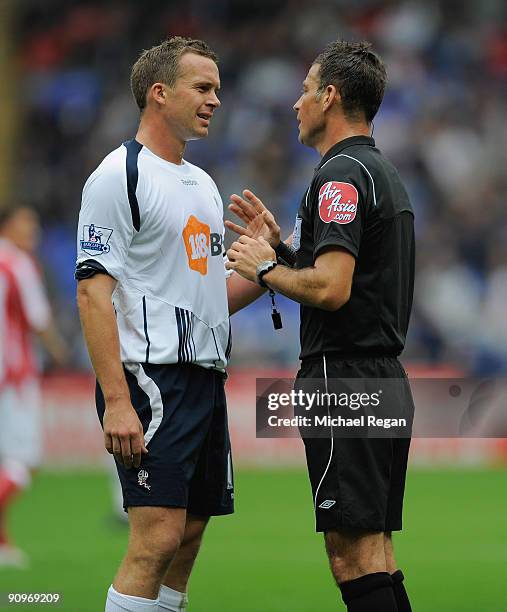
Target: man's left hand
246, 254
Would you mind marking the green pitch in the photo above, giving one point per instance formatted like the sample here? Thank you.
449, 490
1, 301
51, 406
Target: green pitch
267, 558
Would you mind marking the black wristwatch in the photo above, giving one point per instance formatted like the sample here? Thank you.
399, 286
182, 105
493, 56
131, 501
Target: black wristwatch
263, 268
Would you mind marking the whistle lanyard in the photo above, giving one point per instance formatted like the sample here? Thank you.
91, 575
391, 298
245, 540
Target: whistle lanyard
275, 315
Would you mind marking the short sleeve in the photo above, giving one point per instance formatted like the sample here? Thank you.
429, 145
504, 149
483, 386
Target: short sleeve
338, 205
105, 227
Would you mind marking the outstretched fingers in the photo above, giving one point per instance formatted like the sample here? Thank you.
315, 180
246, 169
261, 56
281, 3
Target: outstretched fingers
254, 201
238, 229
269, 220
241, 207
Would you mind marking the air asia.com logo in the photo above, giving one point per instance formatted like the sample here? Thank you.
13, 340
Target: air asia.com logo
199, 244
338, 202
96, 239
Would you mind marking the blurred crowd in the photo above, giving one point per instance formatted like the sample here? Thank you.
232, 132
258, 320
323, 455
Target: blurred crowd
443, 123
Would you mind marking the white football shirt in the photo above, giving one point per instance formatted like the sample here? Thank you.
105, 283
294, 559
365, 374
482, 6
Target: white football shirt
157, 228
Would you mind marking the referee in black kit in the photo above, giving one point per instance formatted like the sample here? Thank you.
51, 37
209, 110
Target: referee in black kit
350, 265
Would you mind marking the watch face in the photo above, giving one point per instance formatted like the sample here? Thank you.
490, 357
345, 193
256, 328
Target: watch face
267, 266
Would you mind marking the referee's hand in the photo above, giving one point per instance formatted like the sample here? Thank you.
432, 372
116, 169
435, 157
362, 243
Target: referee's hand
123, 434
259, 221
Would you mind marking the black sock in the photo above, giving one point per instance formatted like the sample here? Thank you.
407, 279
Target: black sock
400, 594
370, 593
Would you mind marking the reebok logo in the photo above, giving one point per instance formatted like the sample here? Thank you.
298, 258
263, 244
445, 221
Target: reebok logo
326, 504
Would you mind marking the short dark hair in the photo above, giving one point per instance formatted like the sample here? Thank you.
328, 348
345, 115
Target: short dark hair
358, 74
161, 64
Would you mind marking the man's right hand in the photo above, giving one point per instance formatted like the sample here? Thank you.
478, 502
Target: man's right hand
258, 220
123, 433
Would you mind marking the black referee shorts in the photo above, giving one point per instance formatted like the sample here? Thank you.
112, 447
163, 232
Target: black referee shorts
357, 482
183, 412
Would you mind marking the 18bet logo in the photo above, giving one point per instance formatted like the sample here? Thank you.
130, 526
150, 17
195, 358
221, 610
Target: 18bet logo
199, 244
338, 202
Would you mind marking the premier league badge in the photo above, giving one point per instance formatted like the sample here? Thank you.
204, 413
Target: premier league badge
96, 239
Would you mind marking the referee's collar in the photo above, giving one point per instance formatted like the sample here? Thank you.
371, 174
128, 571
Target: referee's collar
343, 144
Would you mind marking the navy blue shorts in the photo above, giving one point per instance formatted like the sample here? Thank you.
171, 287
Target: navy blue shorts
358, 482
183, 411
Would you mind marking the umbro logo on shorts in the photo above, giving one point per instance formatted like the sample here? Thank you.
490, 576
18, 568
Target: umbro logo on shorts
326, 504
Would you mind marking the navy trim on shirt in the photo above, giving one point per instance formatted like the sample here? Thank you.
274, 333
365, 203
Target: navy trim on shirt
148, 343
133, 147
179, 323
88, 268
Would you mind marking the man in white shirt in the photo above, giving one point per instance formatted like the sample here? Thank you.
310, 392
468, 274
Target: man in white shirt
154, 306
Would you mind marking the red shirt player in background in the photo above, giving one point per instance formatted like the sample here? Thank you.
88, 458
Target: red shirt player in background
24, 309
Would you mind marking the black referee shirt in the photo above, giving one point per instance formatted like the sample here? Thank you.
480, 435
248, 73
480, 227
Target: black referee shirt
357, 201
